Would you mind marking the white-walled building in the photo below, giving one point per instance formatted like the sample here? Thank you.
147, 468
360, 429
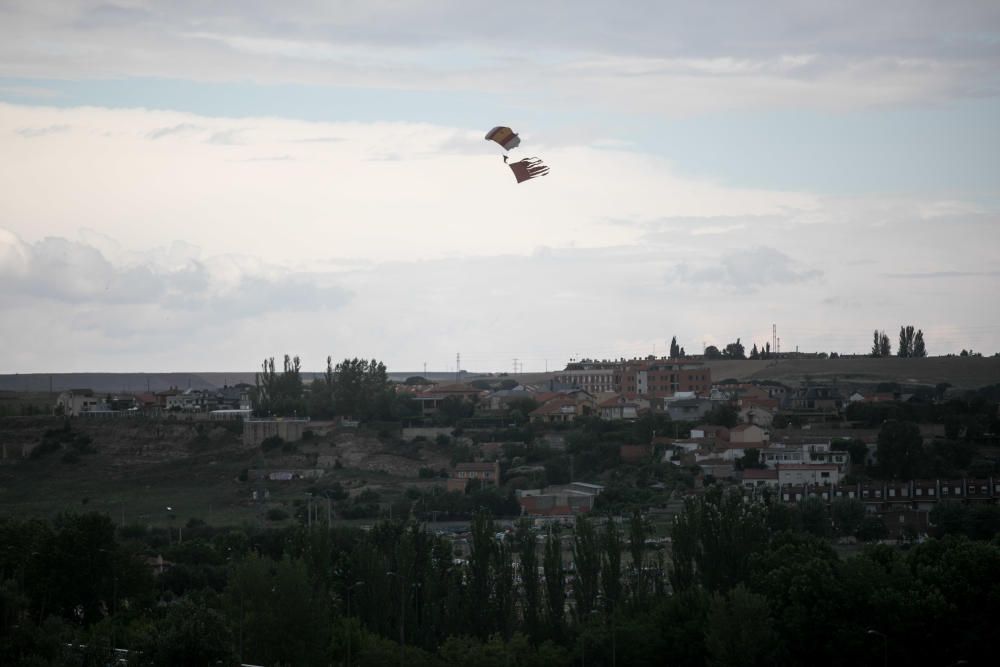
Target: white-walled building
797, 474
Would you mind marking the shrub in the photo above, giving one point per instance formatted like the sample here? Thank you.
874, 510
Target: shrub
271, 443
276, 514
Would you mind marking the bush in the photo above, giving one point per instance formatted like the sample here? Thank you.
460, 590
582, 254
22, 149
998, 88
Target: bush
427, 473
271, 443
47, 447
276, 514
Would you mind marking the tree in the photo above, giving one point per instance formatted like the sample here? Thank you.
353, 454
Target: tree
740, 631
900, 450
611, 566
911, 342
881, 346
587, 560
528, 557
192, 634
713, 538
754, 354
906, 334
279, 394
847, 514
675, 350
712, 352
885, 347
555, 585
637, 549
919, 349
856, 448
734, 351
724, 414
361, 390
812, 512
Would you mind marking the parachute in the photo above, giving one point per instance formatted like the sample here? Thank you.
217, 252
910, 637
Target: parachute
504, 136
525, 169
528, 168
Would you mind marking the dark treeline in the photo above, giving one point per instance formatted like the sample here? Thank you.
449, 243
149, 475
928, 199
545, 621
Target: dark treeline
355, 388
751, 583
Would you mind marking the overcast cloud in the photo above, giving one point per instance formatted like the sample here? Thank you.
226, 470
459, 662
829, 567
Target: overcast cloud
195, 186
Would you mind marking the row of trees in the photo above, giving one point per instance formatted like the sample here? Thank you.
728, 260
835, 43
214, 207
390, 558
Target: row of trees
911, 343
354, 388
752, 583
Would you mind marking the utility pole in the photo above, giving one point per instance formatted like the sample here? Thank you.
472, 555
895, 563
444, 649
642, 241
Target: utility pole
458, 367
515, 365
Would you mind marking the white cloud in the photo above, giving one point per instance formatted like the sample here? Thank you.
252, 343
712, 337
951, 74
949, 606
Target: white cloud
438, 251
382, 191
749, 269
673, 58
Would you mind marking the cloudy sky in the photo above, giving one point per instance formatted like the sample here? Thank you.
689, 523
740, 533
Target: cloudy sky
195, 186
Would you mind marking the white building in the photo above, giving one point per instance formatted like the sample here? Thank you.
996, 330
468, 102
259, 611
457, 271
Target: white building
797, 474
75, 402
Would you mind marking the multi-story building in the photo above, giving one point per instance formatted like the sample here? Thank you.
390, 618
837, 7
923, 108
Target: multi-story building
596, 377
662, 377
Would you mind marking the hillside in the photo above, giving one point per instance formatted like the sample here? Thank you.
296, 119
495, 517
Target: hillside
135, 469
960, 372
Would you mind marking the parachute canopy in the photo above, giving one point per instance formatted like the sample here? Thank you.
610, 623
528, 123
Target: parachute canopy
504, 136
528, 168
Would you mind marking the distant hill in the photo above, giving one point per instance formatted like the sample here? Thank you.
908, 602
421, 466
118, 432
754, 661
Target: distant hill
136, 382
960, 372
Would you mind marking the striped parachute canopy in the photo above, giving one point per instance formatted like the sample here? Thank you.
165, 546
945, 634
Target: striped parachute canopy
504, 136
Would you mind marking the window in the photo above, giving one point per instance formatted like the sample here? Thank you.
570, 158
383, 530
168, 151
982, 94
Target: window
892, 493
918, 491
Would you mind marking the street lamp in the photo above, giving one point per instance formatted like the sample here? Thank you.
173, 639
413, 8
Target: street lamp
885, 645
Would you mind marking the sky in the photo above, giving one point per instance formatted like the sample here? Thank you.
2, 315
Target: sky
192, 186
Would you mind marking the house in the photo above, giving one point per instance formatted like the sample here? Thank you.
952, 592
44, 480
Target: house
560, 410
499, 400
618, 408
146, 401
710, 431
816, 399
717, 468
752, 413
748, 434
75, 402
779, 453
754, 478
431, 399
688, 409
484, 472
563, 500
596, 377
792, 474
